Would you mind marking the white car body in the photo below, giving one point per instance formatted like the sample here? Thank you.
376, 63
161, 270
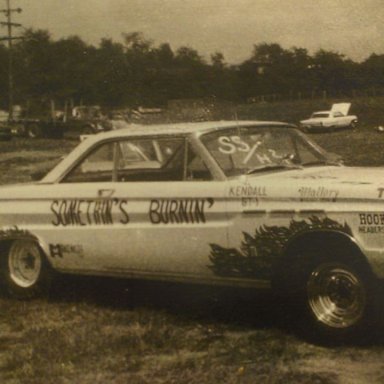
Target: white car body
334, 119
213, 222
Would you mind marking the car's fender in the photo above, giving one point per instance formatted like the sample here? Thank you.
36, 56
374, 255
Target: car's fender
9, 234
293, 256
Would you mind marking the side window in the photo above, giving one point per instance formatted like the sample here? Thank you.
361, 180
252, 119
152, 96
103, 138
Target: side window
196, 168
152, 159
98, 166
140, 159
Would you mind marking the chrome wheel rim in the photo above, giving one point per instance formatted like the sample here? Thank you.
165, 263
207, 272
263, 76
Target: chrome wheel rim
24, 263
336, 295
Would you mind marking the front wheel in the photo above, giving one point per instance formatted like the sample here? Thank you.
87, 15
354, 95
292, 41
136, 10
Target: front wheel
25, 272
335, 295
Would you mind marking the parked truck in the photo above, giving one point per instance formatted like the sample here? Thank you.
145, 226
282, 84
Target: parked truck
57, 123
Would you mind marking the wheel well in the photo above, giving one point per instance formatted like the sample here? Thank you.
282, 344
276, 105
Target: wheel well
5, 246
333, 244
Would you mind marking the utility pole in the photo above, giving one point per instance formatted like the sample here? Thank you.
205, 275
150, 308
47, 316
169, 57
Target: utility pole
9, 24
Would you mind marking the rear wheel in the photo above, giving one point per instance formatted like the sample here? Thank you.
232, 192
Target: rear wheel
25, 271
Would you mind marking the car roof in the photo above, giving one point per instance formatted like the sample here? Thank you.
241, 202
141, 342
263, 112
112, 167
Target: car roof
126, 129
133, 130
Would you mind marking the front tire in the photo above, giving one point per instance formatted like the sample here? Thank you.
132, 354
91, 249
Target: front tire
25, 271
337, 295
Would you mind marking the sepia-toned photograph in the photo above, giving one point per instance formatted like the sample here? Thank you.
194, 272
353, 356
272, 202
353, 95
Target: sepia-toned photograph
191, 192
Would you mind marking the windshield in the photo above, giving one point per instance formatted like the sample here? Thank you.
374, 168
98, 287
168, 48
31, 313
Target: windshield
245, 150
320, 115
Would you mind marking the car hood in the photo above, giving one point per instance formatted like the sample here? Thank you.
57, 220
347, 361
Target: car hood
341, 107
327, 183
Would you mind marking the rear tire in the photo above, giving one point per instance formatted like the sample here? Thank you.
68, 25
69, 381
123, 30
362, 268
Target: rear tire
25, 271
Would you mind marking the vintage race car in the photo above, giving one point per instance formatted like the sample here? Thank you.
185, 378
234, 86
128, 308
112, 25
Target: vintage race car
331, 120
249, 204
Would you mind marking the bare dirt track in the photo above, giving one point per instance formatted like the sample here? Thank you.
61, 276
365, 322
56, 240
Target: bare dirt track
106, 331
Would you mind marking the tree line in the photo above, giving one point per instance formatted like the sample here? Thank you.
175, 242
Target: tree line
138, 72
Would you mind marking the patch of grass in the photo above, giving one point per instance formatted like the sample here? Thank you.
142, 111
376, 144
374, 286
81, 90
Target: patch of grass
22, 144
85, 340
364, 147
369, 110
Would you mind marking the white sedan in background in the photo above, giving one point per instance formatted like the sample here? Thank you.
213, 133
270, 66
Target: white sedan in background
336, 118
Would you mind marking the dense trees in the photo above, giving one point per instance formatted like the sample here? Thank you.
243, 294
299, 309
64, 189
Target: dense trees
137, 72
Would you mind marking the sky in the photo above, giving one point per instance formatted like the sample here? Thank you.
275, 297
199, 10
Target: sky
354, 28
